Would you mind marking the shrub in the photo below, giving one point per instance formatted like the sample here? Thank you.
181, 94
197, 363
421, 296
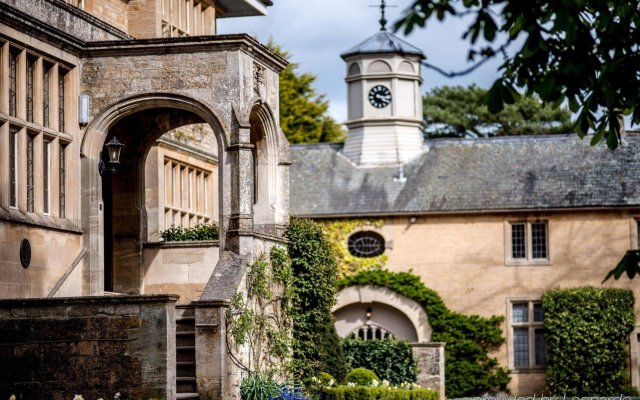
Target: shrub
258, 387
316, 346
361, 377
389, 359
379, 393
198, 232
587, 331
469, 371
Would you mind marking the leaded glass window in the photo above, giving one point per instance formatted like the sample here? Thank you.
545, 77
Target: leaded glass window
13, 166
61, 108
46, 176
366, 244
13, 80
31, 70
30, 186
46, 90
529, 241
528, 340
62, 179
518, 241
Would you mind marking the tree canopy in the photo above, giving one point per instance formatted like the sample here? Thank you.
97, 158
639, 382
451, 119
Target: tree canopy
582, 52
303, 112
458, 111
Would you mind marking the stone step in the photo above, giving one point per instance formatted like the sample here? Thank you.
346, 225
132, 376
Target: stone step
185, 396
186, 384
185, 368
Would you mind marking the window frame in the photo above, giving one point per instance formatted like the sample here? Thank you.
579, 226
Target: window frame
528, 259
532, 326
362, 232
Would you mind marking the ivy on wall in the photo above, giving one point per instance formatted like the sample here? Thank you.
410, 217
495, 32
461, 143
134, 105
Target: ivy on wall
260, 316
469, 371
338, 232
388, 359
316, 345
587, 336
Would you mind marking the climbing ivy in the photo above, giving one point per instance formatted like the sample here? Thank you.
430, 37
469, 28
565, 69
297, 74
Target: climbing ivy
338, 232
259, 317
469, 371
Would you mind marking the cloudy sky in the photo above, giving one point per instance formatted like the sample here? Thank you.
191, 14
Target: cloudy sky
317, 31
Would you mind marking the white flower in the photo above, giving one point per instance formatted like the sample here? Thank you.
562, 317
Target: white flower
385, 383
13, 397
331, 382
375, 383
100, 398
315, 380
351, 384
117, 395
78, 397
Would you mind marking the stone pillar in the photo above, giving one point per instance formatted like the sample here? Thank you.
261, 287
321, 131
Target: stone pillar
241, 219
213, 369
430, 359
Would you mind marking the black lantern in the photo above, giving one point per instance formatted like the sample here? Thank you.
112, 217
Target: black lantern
113, 148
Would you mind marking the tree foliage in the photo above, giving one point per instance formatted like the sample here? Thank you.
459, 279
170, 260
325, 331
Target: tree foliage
303, 112
458, 111
316, 346
583, 52
587, 330
469, 371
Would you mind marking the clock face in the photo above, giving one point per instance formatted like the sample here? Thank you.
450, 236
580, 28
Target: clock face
380, 96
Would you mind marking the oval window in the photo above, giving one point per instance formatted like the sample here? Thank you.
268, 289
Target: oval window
366, 244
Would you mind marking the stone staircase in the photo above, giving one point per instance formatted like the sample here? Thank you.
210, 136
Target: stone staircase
186, 353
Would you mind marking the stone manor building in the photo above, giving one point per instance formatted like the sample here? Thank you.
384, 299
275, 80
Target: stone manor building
489, 224
82, 270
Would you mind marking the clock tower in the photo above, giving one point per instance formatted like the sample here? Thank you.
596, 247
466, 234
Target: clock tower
384, 100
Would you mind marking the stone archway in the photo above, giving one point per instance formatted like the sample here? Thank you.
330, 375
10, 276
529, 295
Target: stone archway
138, 122
396, 313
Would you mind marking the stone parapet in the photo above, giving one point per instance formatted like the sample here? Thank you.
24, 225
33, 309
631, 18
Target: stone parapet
94, 346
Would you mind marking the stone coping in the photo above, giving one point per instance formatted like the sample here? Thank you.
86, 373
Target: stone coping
182, 244
211, 303
38, 221
86, 300
428, 344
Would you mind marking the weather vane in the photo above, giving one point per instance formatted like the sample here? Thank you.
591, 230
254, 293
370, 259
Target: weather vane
383, 20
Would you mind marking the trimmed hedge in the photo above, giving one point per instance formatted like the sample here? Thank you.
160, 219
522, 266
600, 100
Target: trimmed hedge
361, 377
587, 331
316, 345
469, 371
389, 359
379, 393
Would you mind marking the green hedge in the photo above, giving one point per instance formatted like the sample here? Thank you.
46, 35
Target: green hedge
389, 359
469, 371
587, 333
198, 232
379, 393
316, 345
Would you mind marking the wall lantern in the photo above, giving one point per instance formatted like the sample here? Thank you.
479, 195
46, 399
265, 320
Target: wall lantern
369, 313
113, 148
83, 109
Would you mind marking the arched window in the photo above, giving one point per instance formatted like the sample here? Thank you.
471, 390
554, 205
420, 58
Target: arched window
366, 244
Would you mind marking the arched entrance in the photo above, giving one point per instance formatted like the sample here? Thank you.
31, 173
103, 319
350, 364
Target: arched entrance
374, 312
115, 214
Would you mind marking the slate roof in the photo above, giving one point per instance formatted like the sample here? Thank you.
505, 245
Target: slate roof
383, 42
497, 174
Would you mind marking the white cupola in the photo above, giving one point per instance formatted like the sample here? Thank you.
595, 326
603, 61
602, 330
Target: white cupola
384, 100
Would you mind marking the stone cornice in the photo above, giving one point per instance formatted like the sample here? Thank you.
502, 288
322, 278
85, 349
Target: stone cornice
189, 44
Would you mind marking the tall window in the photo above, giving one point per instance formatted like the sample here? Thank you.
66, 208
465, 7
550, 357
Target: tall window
183, 205
61, 121
62, 178
529, 350
529, 241
13, 167
31, 70
46, 89
46, 176
13, 80
30, 186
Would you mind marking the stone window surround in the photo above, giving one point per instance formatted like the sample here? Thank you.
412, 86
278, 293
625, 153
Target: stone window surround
528, 260
510, 301
33, 129
195, 205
